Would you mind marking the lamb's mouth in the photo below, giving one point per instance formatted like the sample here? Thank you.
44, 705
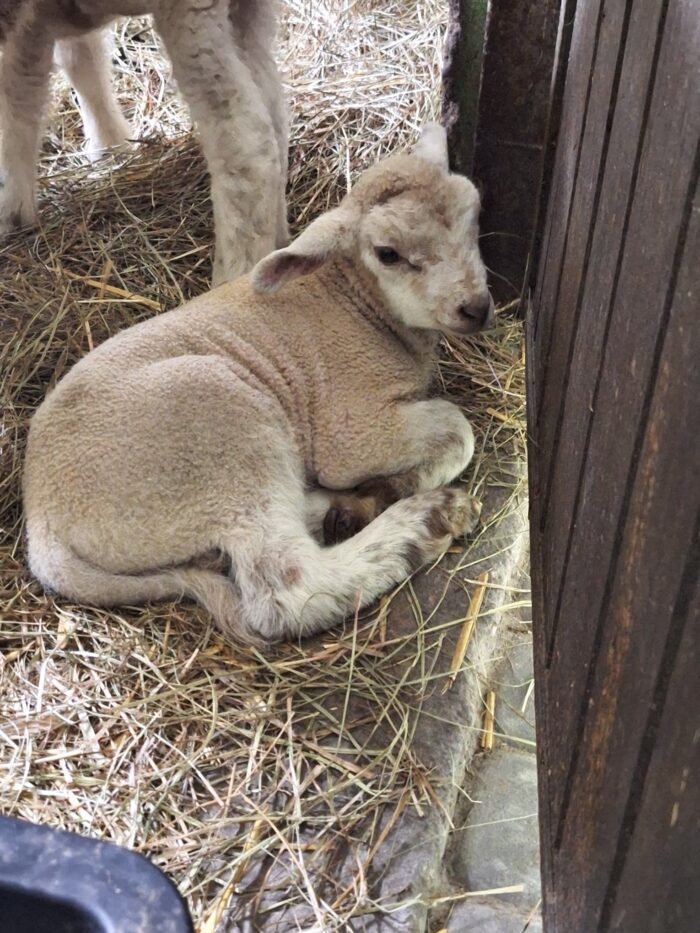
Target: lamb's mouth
463, 328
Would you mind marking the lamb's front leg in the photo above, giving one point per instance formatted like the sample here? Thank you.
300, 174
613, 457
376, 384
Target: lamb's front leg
443, 441
235, 128
25, 66
436, 445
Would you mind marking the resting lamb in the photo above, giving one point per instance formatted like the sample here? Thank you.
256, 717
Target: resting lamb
225, 426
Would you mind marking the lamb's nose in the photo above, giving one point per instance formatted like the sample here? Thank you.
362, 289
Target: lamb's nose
478, 312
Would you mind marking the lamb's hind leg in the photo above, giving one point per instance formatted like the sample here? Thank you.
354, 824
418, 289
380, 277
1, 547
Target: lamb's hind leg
25, 66
86, 62
290, 587
235, 128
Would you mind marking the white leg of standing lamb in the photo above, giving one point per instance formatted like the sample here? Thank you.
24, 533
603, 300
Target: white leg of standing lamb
87, 65
235, 128
255, 33
25, 67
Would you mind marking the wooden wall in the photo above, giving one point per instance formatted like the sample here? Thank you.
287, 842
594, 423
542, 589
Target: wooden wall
614, 431
498, 76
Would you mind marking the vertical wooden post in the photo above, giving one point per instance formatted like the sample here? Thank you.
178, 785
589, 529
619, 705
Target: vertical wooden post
497, 91
461, 79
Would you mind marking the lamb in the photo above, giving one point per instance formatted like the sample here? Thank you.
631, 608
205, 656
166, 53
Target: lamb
202, 452
221, 52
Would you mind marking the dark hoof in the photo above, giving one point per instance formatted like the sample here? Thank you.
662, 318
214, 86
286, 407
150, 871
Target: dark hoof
339, 525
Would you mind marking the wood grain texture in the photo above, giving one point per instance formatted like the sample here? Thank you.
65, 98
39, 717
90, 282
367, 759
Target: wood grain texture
585, 203
613, 423
574, 108
662, 817
638, 315
640, 617
496, 102
572, 411
510, 146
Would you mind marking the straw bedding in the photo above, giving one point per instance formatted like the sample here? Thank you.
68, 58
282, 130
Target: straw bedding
227, 767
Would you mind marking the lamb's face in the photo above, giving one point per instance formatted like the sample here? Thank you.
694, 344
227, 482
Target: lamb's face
422, 247
414, 227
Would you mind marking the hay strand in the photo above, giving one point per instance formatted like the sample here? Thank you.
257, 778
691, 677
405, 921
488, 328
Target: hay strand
465, 635
489, 712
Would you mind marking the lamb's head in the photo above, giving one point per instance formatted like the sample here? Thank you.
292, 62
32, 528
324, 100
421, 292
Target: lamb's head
409, 226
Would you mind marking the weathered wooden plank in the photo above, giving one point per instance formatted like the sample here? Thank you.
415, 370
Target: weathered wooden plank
513, 112
581, 61
542, 700
461, 79
582, 224
640, 615
615, 516
539, 244
572, 410
654, 886
581, 51
637, 317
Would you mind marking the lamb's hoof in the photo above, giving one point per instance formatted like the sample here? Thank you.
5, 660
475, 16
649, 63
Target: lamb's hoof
113, 135
349, 514
15, 217
456, 515
96, 153
339, 525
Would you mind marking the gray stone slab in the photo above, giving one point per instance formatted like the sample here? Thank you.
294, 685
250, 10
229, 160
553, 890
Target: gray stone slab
515, 698
487, 917
499, 842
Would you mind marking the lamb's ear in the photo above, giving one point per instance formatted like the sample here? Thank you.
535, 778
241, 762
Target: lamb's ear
432, 145
307, 253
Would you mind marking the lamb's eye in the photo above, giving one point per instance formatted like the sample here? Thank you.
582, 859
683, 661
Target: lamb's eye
387, 256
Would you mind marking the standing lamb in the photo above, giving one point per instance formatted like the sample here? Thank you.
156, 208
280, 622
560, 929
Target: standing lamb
221, 51
222, 426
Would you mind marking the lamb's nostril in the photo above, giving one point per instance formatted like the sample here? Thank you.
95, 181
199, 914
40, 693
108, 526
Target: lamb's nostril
478, 312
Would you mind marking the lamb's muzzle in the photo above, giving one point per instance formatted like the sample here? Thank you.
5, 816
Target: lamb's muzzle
477, 314
235, 423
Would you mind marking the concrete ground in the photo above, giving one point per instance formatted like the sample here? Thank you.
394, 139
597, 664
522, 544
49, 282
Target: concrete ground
483, 835
495, 843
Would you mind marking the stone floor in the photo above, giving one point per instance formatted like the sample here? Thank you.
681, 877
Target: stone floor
494, 840
496, 843
491, 839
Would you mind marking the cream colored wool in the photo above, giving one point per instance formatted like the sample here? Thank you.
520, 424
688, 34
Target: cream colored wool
212, 427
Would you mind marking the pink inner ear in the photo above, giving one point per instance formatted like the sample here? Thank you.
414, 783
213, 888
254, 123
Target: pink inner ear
286, 266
